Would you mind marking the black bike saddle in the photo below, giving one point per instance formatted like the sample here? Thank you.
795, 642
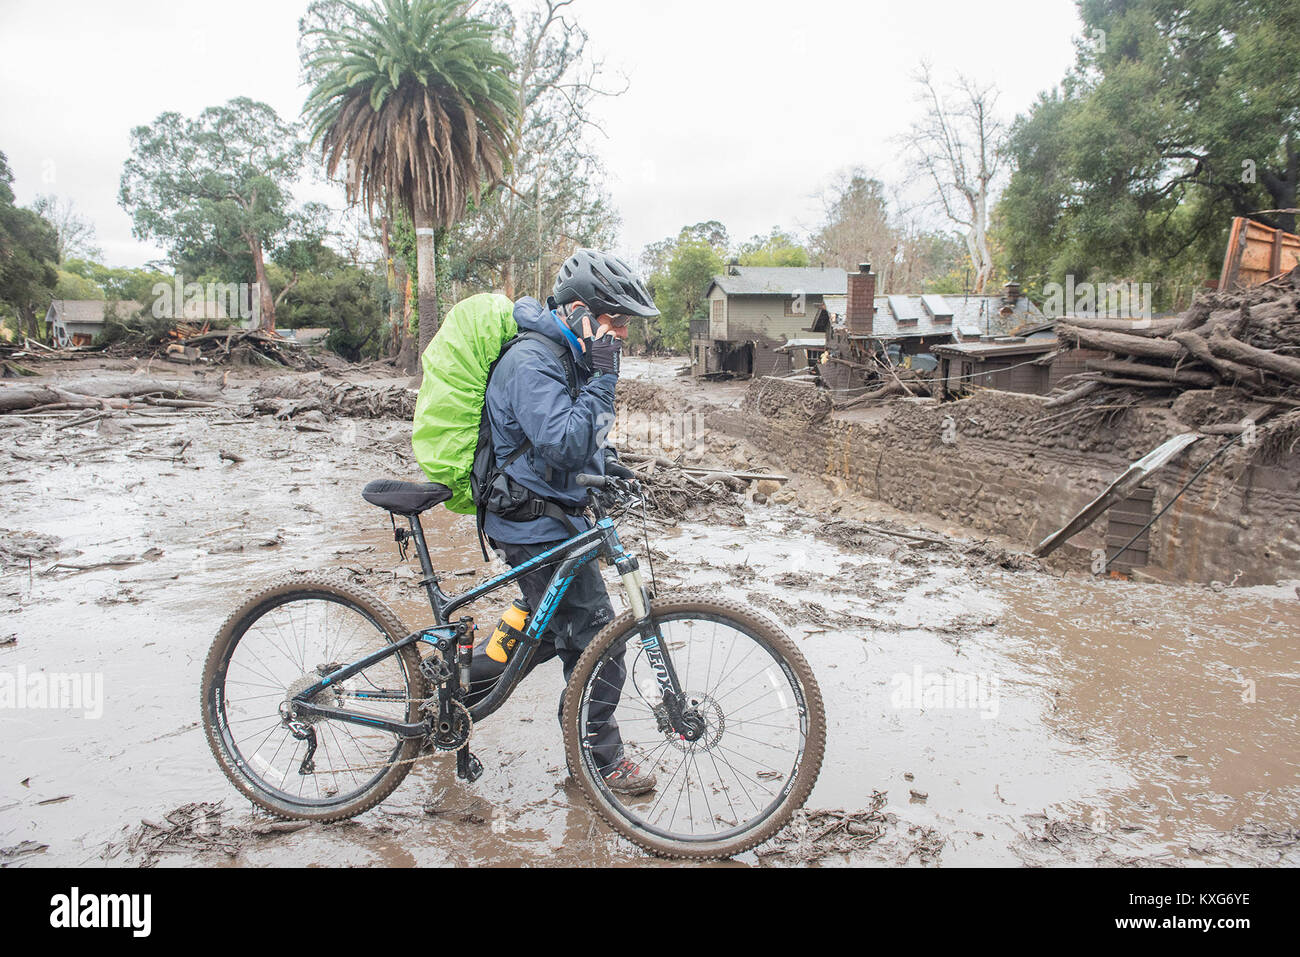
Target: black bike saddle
405, 498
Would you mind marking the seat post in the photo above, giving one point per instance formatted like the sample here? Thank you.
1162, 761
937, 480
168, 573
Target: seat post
430, 582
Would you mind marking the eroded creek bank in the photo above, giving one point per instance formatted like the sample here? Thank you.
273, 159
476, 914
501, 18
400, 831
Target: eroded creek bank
1106, 722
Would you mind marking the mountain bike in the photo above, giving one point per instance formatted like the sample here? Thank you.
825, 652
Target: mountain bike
317, 701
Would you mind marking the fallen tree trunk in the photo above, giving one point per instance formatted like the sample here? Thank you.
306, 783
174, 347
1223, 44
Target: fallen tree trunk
1200, 349
21, 398
1147, 328
1088, 388
1143, 371
1222, 344
1121, 343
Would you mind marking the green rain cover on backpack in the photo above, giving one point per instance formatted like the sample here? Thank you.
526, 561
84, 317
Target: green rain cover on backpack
450, 406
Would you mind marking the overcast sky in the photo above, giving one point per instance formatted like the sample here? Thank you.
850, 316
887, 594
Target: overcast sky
738, 110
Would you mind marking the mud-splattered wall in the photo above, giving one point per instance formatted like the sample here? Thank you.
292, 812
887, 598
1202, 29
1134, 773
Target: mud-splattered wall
997, 463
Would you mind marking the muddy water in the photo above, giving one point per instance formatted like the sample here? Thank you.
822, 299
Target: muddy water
1020, 717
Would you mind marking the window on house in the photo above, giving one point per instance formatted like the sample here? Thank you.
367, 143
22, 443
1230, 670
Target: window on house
719, 307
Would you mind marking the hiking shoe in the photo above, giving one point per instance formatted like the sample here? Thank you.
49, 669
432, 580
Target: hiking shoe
628, 778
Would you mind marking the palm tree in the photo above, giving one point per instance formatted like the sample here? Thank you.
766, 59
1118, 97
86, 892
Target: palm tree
413, 101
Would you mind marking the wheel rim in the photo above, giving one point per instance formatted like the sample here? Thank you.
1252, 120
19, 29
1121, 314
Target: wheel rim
277, 653
746, 760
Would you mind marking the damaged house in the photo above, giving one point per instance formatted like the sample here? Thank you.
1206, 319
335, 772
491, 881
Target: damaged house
764, 320
910, 331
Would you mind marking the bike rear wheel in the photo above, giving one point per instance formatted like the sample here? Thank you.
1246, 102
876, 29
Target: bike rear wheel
278, 644
761, 748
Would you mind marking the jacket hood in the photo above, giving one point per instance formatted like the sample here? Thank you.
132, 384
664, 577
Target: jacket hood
532, 316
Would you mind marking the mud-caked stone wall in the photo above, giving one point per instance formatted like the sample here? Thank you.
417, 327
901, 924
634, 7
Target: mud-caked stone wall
1007, 464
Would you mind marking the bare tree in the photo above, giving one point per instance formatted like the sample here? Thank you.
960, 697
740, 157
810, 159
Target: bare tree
76, 234
958, 146
856, 226
552, 198
866, 222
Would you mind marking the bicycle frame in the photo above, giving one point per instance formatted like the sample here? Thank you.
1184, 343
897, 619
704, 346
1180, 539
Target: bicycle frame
601, 541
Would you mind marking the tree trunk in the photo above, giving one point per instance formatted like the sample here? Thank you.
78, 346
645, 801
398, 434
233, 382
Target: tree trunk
426, 264
267, 323
508, 278
1119, 343
27, 323
401, 312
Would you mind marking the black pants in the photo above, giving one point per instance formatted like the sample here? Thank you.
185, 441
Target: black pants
583, 612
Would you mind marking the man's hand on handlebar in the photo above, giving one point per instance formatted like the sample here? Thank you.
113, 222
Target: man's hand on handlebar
613, 489
617, 469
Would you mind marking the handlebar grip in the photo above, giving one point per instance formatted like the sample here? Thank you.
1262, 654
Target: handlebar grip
591, 481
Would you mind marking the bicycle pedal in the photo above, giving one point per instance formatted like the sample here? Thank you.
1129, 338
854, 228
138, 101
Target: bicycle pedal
468, 767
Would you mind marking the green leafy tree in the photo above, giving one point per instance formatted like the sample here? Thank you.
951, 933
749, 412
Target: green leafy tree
778, 248
28, 251
329, 292
216, 187
416, 106
74, 286
1176, 117
680, 286
118, 284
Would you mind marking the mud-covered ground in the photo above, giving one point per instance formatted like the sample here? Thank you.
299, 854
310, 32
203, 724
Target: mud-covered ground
981, 711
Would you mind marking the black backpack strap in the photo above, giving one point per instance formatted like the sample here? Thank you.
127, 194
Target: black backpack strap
549, 509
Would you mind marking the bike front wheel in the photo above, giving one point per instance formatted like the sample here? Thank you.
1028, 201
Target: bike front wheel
754, 762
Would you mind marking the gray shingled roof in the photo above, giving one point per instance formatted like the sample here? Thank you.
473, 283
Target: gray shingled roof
90, 311
782, 281
906, 316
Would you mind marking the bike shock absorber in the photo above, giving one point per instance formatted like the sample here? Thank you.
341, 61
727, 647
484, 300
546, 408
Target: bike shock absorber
465, 651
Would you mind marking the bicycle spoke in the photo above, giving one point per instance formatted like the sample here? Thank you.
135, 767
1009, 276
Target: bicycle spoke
736, 738
288, 646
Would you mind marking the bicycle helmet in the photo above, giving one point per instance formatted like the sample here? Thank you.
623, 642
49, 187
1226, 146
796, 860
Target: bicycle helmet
605, 283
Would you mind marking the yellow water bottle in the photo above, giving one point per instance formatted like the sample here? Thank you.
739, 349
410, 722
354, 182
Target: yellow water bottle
511, 629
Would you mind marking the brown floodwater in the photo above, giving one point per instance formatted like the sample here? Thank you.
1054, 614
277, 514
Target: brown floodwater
1126, 722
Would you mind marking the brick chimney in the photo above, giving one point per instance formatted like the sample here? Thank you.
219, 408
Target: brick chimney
861, 311
1011, 294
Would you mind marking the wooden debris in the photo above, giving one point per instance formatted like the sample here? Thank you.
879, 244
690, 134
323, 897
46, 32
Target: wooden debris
1247, 341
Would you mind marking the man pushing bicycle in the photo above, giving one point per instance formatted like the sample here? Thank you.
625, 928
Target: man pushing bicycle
550, 404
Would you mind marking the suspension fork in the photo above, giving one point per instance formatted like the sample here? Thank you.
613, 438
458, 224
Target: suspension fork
685, 722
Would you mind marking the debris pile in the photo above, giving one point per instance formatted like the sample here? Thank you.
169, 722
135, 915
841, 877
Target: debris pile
680, 492
1245, 342
195, 829
237, 346
104, 393
291, 396
896, 382
813, 835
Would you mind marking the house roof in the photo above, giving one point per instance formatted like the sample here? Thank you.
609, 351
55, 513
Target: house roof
781, 281
803, 344
89, 312
906, 317
988, 350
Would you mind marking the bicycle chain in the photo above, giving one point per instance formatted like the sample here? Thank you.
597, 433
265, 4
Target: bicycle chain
435, 677
415, 760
